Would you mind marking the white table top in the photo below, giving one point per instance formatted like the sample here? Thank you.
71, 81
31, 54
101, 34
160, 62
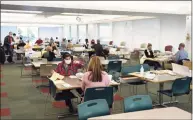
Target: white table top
19, 51
38, 63
160, 113
105, 62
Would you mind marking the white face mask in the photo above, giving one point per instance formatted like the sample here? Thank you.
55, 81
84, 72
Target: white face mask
68, 61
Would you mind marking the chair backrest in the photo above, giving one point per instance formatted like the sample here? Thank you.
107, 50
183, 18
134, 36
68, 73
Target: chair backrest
99, 93
146, 67
134, 58
188, 64
129, 69
93, 108
45, 69
114, 66
168, 48
136, 68
143, 45
113, 57
57, 59
181, 86
137, 103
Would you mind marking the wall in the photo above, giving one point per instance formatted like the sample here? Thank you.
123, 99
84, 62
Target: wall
92, 31
48, 32
172, 31
158, 31
188, 30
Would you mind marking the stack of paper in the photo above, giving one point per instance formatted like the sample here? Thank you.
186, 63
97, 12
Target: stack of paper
56, 76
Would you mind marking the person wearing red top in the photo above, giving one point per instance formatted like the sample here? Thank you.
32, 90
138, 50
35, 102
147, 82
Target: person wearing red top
39, 41
9, 47
66, 68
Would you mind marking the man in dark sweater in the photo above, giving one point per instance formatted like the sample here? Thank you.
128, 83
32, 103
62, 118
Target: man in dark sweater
8, 40
98, 49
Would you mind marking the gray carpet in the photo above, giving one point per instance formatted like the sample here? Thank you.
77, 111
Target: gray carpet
26, 102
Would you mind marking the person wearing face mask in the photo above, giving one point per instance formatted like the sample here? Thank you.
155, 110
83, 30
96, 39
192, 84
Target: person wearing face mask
149, 54
66, 68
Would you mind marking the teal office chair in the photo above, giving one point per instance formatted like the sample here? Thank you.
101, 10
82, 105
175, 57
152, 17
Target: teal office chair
135, 82
114, 66
180, 86
93, 108
137, 103
57, 59
113, 57
100, 93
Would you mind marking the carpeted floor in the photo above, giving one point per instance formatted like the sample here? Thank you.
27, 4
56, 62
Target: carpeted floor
21, 100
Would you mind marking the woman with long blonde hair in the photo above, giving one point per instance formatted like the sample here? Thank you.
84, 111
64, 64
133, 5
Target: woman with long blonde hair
95, 76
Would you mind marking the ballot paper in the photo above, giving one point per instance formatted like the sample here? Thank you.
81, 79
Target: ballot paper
56, 76
72, 76
66, 85
59, 82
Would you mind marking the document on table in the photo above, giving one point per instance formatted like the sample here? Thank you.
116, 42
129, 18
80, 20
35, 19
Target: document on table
66, 85
56, 76
72, 76
58, 82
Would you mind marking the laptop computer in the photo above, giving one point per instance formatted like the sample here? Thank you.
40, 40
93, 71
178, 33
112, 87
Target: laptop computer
181, 70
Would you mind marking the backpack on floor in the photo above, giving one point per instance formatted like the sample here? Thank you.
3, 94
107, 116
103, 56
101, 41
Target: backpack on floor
2, 55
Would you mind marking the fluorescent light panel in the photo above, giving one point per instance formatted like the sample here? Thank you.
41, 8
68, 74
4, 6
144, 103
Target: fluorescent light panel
20, 11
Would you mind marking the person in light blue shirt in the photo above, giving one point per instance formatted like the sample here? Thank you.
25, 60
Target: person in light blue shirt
181, 54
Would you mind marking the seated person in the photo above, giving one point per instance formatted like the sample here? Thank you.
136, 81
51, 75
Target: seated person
149, 54
54, 48
69, 45
39, 41
181, 54
21, 44
98, 49
49, 54
95, 76
63, 44
86, 45
66, 68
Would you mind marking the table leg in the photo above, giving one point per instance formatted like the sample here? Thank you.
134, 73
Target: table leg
161, 86
163, 65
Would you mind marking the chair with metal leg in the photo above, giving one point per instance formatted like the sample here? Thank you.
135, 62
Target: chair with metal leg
133, 80
57, 97
137, 103
180, 86
45, 70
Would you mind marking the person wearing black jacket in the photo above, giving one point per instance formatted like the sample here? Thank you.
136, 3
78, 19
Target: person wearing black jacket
2, 54
98, 49
9, 47
149, 54
21, 44
49, 54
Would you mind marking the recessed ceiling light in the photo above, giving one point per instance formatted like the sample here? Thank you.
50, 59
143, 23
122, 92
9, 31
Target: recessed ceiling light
20, 11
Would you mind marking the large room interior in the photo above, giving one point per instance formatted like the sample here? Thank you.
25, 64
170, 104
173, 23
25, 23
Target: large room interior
124, 29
